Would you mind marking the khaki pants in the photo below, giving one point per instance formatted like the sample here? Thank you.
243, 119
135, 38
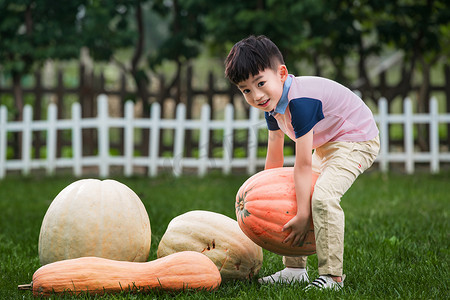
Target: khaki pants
339, 164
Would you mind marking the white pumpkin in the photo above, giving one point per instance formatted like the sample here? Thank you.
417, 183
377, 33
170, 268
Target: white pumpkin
92, 217
218, 237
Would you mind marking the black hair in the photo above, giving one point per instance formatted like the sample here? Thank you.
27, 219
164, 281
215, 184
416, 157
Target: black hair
251, 56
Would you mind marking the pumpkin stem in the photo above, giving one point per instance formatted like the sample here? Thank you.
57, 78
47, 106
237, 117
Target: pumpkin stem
25, 287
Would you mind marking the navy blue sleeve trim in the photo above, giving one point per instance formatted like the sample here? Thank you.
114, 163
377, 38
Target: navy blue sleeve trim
271, 122
305, 113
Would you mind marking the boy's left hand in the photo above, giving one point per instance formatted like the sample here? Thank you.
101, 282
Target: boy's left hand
300, 227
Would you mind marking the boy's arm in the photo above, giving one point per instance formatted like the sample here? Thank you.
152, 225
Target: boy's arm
275, 145
302, 180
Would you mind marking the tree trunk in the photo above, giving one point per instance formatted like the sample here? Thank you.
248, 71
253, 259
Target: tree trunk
18, 115
423, 107
140, 77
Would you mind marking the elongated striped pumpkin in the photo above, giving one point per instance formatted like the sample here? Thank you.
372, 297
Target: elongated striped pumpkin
95, 275
264, 204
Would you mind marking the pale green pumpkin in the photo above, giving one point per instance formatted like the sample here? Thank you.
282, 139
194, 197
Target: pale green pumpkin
91, 217
218, 237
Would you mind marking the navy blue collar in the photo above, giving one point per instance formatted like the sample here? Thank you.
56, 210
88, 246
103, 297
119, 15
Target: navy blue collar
284, 101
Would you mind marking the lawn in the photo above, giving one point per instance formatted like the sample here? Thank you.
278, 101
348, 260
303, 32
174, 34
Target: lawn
396, 243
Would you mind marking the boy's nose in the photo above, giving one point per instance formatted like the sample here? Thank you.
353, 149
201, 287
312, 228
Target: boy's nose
257, 96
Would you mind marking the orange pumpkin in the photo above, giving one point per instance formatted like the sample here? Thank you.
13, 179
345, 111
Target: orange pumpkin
95, 275
264, 204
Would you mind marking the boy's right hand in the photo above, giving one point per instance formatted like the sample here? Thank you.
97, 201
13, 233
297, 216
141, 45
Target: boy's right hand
299, 226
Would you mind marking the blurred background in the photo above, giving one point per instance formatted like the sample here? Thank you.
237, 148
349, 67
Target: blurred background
172, 51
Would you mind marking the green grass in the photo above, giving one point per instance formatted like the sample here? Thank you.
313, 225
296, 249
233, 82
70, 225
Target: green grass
396, 247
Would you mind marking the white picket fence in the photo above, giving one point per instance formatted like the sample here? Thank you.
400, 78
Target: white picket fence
409, 156
103, 161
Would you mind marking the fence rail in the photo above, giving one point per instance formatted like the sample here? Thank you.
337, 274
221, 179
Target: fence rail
103, 161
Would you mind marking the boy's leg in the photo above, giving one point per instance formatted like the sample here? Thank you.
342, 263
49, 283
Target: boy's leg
342, 163
295, 271
295, 266
295, 261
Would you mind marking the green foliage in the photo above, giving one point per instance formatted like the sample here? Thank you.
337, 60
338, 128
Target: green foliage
396, 243
422, 20
320, 32
187, 31
32, 32
284, 22
107, 26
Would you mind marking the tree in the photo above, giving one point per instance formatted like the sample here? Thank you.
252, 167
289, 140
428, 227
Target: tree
332, 31
32, 32
109, 26
418, 28
284, 22
186, 35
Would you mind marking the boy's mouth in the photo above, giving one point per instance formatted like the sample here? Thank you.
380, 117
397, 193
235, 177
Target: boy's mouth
264, 103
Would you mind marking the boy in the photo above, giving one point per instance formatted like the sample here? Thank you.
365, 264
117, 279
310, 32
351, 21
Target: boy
318, 114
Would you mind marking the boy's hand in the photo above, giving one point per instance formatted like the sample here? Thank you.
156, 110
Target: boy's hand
300, 227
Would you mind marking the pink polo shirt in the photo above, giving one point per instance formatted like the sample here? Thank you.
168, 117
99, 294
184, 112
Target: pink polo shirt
333, 111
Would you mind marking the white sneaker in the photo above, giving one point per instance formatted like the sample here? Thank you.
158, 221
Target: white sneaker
326, 282
287, 275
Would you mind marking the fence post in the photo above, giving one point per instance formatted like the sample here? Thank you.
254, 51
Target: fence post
408, 136
52, 112
26, 139
77, 139
129, 138
178, 148
103, 135
154, 139
434, 136
3, 140
252, 140
228, 139
384, 134
203, 144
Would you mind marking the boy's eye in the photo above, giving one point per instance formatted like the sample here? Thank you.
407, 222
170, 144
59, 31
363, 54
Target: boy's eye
246, 91
260, 84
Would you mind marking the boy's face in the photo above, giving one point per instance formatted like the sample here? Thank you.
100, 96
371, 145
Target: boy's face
264, 90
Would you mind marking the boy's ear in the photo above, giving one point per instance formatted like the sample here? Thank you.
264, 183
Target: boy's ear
283, 71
